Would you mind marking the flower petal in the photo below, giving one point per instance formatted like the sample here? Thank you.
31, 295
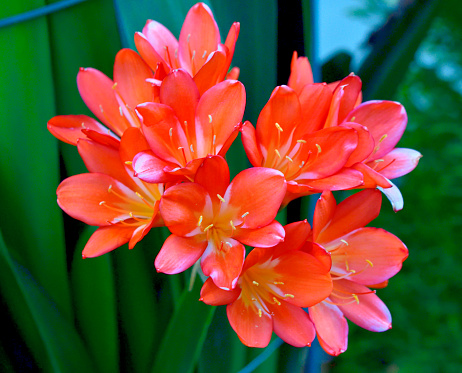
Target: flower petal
398, 162
365, 143
295, 236
354, 212
97, 93
149, 168
181, 206
249, 191
267, 236
249, 140
68, 128
293, 325
372, 179
374, 254
211, 294
394, 196
106, 239
252, 330
300, 73
211, 72
331, 327
178, 254
230, 43
213, 175
323, 213
150, 55
132, 143
223, 265
370, 313
163, 42
386, 121
315, 100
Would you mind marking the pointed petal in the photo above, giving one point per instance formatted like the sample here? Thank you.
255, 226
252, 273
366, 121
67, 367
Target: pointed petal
181, 206
199, 36
252, 330
144, 229
233, 73
97, 93
106, 239
179, 91
331, 327
300, 73
149, 168
80, 196
323, 213
211, 294
352, 213
344, 179
178, 254
372, 179
249, 191
295, 236
130, 74
223, 265
319, 253
163, 42
211, 72
68, 128
398, 162
249, 140
293, 325
213, 175
315, 101
132, 143
370, 313
386, 121
151, 56
365, 144
219, 110
375, 254
394, 196
230, 43
267, 236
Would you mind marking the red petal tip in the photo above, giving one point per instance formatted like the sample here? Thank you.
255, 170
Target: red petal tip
84, 257
82, 68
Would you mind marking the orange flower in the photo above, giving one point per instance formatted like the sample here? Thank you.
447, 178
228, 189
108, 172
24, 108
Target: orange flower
312, 161
185, 127
274, 286
379, 126
362, 257
212, 218
199, 49
122, 206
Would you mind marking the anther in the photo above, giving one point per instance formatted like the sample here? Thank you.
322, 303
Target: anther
128, 162
278, 127
277, 152
193, 55
114, 85
379, 160
120, 111
102, 203
302, 164
301, 141
170, 132
244, 215
200, 221
255, 283
289, 296
346, 243
319, 148
208, 227
191, 148
109, 189
369, 262
187, 39
383, 138
205, 53
101, 108
356, 298
253, 299
289, 159
259, 312
139, 195
278, 283
214, 140
210, 118
221, 198
353, 119
175, 169
232, 225
83, 125
229, 244
276, 301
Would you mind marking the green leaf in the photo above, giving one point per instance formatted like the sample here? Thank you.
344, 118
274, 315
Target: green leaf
29, 165
95, 305
39, 318
185, 335
394, 46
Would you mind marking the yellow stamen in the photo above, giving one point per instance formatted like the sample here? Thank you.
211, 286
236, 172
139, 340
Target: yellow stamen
276, 301
289, 296
255, 283
191, 148
289, 159
232, 225
277, 152
114, 85
121, 112
221, 198
356, 298
205, 53
346, 243
369, 262
210, 118
208, 227
259, 312
278, 283
244, 214
301, 141
200, 221
278, 127
128, 162
319, 148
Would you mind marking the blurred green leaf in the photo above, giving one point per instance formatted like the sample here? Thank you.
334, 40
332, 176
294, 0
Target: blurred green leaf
393, 48
95, 305
29, 167
35, 312
182, 343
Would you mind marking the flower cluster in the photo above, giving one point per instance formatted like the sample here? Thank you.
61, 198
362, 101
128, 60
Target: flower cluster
168, 118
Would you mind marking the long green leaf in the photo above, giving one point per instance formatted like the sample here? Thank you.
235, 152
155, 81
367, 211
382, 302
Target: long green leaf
185, 335
394, 48
31, 219
62, 347
95, 306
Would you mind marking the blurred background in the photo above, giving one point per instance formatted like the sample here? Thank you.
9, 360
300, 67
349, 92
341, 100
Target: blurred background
114, 313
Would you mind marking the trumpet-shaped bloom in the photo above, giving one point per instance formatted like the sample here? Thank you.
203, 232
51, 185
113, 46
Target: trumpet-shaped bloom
312, 161
185, 127
199, 50
122, 206
111, 101
212, 218
274, 286
379, 125
362, 257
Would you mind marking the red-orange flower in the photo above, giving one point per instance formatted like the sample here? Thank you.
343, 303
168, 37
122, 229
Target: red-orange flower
212, 218
122, 206
112, 101
362, 257
199, 49
185, 127
379, 125
274, 286
312, 161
